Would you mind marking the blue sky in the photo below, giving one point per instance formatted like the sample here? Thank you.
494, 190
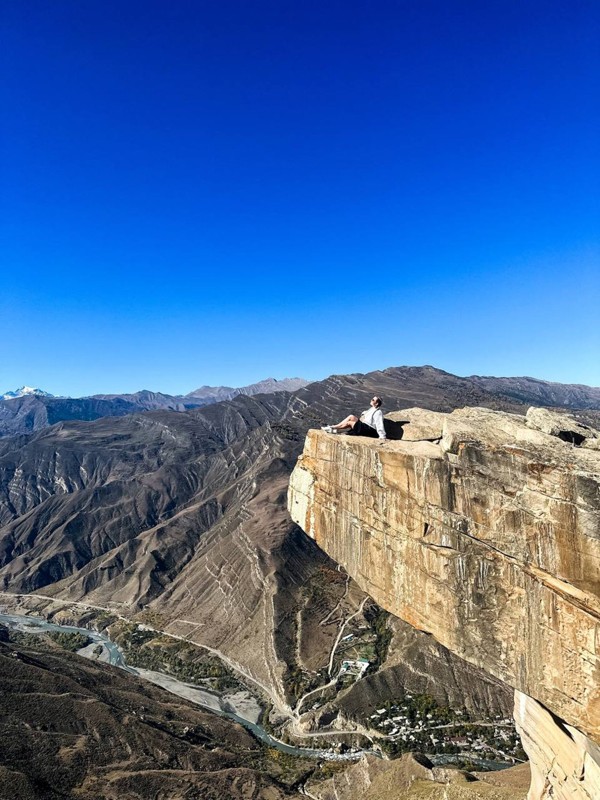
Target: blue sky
213, 192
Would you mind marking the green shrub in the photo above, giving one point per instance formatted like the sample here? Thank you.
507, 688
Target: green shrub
70, 641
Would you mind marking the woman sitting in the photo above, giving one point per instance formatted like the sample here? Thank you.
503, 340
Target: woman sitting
370, 422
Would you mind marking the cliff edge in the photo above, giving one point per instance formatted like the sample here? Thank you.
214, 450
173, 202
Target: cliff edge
483, 529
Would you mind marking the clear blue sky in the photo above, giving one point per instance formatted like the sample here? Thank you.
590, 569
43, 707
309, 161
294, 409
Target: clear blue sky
213, 192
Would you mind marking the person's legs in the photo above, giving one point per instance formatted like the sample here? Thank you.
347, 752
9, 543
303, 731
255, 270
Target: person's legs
349, 422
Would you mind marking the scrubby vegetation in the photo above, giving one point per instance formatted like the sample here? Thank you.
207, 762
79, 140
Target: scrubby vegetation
286, 768
103, 620
378, 620
150, 650
70, 641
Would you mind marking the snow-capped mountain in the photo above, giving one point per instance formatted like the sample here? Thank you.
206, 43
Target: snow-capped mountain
24, 391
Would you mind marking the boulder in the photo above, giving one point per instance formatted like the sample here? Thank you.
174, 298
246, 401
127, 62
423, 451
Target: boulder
415, 424
564, 427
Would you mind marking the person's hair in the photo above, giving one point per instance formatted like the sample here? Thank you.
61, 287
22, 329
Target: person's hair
378, 401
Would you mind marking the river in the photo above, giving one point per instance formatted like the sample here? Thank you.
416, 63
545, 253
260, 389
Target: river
216, 703
212, 701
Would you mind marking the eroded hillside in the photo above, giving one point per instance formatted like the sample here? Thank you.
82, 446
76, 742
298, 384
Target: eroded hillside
72, 728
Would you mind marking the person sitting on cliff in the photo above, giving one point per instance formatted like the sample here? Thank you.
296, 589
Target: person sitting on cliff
370, 422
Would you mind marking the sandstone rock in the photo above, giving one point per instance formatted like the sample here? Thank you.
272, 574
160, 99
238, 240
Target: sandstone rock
418, 424
563, 426
490, 541
564, 763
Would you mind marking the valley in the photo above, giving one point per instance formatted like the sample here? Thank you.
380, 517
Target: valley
169, 530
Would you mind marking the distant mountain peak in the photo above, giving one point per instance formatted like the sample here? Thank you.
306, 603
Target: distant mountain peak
25, 391
262, 387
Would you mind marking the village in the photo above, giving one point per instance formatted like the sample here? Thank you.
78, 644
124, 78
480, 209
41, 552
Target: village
417, 722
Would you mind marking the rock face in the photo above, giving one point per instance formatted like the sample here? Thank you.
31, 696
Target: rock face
564, 762
488, 537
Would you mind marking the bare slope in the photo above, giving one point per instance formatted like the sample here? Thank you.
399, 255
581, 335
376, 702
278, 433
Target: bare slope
75, 728
541, 393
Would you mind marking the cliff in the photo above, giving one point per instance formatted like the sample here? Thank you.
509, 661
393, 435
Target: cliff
483, 529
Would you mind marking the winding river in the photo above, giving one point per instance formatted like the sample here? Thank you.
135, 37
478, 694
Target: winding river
197, 695
200, 696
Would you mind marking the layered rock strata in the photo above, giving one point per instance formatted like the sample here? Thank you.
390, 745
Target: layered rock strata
487, 535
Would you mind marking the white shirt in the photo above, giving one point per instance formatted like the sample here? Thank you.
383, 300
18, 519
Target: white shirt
374, 418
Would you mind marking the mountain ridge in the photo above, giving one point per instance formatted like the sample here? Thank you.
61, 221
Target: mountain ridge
34, 410
30, 412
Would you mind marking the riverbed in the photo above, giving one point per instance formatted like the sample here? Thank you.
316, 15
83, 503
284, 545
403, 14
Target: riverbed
239, 706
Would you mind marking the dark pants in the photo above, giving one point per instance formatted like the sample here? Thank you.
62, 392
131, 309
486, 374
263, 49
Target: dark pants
362, 429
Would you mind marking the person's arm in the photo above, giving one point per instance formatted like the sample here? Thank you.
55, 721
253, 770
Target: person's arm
378, 423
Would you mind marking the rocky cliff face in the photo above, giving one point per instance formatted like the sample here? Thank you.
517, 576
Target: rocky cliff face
483, 529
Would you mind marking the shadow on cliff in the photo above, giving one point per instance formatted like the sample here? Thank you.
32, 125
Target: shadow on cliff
394, 429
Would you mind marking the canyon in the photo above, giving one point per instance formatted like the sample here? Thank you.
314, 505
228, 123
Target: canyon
177, 521
180, 519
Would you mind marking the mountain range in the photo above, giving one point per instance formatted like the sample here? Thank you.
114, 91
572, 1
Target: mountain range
29, 409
